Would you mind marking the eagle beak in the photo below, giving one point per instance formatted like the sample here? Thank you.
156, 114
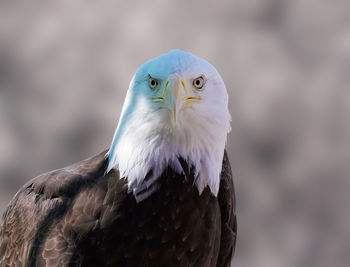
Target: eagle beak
176, 96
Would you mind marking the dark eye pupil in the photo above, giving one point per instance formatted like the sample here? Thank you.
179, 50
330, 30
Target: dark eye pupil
198, 82
153, 83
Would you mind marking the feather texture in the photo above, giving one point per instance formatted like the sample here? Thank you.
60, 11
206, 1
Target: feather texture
78, 216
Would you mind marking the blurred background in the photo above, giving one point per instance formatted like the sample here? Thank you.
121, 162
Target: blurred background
65, 67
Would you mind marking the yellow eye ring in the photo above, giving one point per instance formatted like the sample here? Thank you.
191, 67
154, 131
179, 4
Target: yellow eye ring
198, 83
152, 83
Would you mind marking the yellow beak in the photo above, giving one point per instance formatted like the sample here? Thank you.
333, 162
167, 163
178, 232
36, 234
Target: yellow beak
175, 95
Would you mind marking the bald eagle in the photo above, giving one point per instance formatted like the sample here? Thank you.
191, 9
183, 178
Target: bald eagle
161, 195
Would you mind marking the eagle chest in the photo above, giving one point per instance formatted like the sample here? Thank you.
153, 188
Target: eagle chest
175, 226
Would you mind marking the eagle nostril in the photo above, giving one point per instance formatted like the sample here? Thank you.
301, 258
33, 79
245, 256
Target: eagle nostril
157, 99
190, 99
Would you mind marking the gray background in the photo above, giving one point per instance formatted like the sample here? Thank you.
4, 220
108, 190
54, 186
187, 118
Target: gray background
65, 67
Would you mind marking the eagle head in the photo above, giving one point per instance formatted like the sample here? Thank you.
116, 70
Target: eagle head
176, 107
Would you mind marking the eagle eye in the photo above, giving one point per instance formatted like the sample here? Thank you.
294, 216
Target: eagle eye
152, 83
198, 83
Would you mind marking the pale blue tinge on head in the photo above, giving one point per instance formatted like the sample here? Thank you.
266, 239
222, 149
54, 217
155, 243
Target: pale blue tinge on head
176, 61
147, 138
162, 66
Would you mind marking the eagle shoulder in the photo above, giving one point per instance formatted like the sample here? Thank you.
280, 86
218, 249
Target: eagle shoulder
34, 213
227, 203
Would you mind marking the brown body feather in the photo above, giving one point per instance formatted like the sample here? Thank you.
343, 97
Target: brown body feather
78, 216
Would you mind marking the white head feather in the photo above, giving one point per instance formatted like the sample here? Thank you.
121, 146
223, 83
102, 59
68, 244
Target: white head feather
150, 137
